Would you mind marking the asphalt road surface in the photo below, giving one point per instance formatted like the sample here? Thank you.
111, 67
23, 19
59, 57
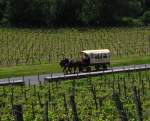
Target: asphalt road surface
35, 78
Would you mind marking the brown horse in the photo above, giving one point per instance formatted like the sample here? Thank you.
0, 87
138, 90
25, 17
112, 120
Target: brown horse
75, 66
64, 64
72, 66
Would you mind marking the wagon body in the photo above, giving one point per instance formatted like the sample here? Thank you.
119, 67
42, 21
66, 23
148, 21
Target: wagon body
98, 58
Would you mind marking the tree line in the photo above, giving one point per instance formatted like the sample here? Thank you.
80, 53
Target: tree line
74, 12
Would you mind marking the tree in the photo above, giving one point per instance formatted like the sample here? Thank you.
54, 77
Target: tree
114, 10
90, 12
71, 12
3, 4
17, 11
68, 12
30, 12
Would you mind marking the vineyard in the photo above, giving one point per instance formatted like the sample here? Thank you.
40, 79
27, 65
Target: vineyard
113, 97
36, 46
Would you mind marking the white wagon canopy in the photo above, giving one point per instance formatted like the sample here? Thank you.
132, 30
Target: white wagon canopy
100, 56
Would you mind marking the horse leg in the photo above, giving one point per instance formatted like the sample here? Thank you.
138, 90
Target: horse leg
75, 69
70, 70
67, 70
64, 70
78, 69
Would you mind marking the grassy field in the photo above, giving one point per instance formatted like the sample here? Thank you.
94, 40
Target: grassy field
23, 70
31, 51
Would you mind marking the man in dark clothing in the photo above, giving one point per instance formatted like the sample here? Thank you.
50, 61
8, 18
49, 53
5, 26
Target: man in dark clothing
87, 59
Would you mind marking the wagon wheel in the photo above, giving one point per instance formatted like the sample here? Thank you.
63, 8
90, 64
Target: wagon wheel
88, 69
80, 69
104, 67
97, 67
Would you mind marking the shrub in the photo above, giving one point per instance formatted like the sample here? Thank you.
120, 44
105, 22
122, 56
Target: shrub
146, 18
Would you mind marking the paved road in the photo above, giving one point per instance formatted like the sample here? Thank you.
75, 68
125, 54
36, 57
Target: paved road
35, 78
98, 73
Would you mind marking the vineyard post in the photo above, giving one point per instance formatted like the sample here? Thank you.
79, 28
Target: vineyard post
12, 95
100, 99
45, 113
100, 85
29, 83
119, 107
149, 40
23, 78
49, 58
49, 92
136, 98
66, 107
17, 112
25, 97
124, 86
38, 76
33, 111
149, 82
65, 103
113, 86
94, 96
39, 99
118, 77
72, 100
22, 89
9, 80
40, 84
34, 90
73, 87
105, 81
8, 52
114, 76
101, 76
133, 81
129, 75
143, 90
57, 84
145, 66
119, 89
4, 91
109, 82
140, 78
146, 74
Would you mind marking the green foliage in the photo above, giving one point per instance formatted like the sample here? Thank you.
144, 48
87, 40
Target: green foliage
146, 17
90, 13
135, 8
69, 12
127, 21
29, 12
2, 8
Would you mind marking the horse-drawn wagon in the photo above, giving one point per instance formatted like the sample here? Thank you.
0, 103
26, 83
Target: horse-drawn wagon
100, 59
